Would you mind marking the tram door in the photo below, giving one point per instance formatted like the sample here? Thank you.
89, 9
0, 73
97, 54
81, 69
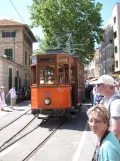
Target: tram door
73, 89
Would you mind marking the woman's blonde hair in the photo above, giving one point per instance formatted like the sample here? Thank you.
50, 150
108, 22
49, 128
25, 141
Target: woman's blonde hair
101, 111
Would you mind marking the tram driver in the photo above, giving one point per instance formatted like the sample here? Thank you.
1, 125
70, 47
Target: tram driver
50, 80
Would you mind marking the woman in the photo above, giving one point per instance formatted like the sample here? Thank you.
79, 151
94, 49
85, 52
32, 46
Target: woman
108, 147
3, 96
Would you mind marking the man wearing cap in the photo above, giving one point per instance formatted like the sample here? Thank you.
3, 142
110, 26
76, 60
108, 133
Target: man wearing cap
106, 87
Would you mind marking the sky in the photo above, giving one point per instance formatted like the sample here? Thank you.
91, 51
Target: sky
7, 11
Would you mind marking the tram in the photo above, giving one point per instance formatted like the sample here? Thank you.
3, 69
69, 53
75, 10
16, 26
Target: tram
57, 82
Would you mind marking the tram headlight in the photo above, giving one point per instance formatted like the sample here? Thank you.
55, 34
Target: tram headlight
47, 101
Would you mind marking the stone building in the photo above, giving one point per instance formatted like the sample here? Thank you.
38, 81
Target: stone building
16, 42
116, 34
106, 50
92, 70
109, 49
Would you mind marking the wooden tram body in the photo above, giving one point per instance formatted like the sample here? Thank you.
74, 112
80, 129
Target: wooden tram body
57, 82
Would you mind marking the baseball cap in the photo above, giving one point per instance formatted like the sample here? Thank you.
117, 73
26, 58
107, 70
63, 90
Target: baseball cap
106, 79
2, 87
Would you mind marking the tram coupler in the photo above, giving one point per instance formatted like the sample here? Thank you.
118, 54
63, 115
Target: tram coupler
43, 117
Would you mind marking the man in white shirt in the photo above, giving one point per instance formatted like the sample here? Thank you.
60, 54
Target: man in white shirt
106, 87
12, 93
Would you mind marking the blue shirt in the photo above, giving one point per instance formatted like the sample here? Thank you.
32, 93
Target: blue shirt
110, 149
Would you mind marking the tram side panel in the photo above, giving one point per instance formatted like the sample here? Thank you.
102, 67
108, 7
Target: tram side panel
59, 97
77, 95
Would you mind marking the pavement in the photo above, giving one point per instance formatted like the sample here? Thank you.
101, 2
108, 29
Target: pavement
19, 106
87, 143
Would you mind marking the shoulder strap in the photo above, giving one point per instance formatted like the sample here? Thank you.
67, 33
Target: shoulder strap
114, 98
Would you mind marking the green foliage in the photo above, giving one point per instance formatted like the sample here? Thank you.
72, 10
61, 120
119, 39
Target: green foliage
76, 23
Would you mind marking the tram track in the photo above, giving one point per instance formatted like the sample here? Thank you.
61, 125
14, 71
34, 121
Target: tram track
15, 138
3, 127
15, 135
40, 145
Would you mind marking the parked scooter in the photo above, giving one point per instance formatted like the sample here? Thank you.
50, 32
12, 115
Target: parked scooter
17, 97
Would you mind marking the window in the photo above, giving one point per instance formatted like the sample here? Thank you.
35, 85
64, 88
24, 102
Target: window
25, 58
8, 34
115, 49
116, 63
63, 73
9, 54
114, 19
10, 78
111, 41
17, 73
25, 79
33, 60
33, 75
115, 34
73, 74
17, 80
112, 68
47, 74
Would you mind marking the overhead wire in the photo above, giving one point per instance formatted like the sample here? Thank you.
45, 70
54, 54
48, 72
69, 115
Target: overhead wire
17, 11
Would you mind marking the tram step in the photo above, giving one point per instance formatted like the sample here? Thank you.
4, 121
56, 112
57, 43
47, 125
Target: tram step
44, 117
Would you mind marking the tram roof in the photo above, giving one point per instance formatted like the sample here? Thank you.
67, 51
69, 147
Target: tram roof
56, 51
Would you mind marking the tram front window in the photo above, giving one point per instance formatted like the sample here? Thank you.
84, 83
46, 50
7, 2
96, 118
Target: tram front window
47, 74
63, 73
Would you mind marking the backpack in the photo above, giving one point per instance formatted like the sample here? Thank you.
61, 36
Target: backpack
114, 98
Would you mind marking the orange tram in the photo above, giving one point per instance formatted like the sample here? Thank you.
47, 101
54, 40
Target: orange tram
57, 82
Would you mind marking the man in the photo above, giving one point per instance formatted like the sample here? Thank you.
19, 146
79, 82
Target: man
12, 93
106, 87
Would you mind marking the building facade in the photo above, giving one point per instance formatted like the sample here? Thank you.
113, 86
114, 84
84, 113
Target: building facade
92, 70
109, 48
16, 41
106, 50
116, 32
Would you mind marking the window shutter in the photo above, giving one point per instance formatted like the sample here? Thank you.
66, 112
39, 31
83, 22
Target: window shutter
3, 34
13, 34
8, 53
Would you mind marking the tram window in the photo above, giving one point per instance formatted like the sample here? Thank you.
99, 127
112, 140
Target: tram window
50, 76
66, 73
33, 74
42, 75
47, 74
33, 59
63, 73
73, 74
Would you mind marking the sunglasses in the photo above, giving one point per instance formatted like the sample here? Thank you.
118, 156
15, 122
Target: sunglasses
101, 84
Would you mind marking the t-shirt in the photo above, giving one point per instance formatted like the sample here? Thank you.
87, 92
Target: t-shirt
116, 90
110, 149
12, 93
86, 84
